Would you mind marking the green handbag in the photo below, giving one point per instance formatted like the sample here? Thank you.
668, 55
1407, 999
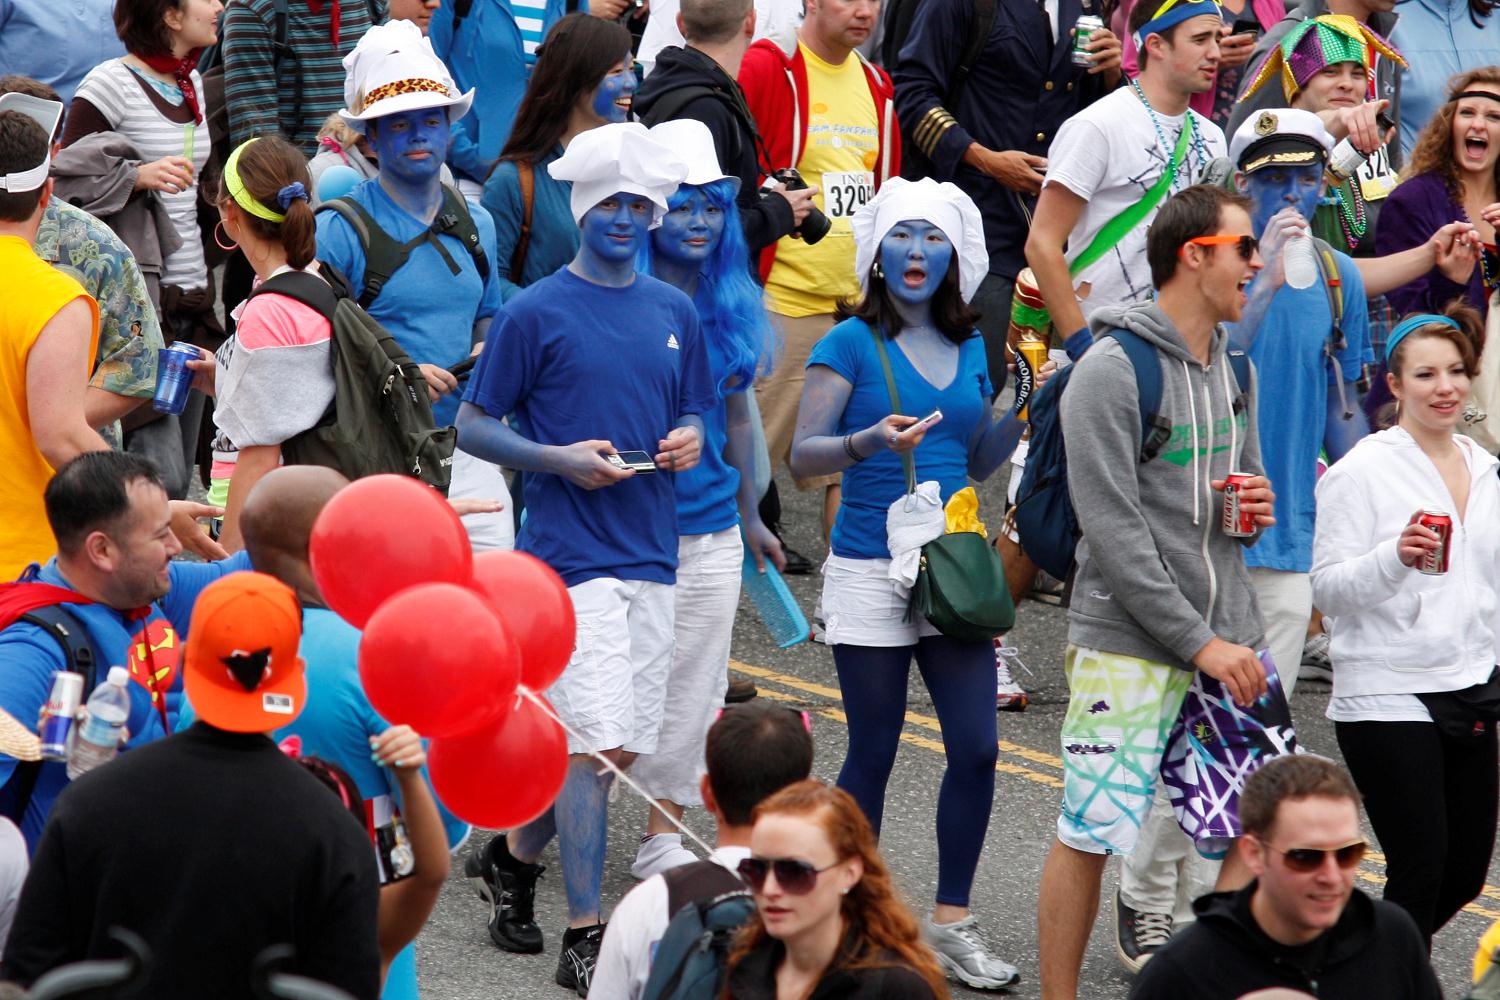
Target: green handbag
961, 586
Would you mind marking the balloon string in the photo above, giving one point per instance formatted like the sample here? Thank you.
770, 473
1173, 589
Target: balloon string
612, 767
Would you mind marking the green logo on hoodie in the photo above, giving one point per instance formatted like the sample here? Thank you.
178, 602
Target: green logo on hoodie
1179, 449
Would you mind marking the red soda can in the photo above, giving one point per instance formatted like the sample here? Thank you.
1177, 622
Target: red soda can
1237, 522
1435, 563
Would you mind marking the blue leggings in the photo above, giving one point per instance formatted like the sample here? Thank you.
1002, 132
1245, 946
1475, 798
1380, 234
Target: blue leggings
961, 679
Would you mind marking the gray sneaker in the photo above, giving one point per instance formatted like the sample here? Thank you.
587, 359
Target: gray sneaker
1139, 934
1315, 663
962, 953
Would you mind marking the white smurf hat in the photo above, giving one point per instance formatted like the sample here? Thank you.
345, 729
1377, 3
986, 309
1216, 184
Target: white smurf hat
394, 69
944, 205
46, 114
620, 156
692, 141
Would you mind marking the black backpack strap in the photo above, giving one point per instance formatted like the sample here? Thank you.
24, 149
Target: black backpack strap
383, 255
979, 34
455, 219
461, 9
1155, 432
311, 291
700, 880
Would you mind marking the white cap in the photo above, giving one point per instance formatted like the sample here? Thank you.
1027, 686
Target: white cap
1279, 136
394, 69
620, 156
119, 676
46, 114
944, 205
692, 141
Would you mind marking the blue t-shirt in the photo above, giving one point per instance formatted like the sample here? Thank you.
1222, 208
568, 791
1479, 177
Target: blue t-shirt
577, 361
706, 493
1296, 380
28, 657
428, 309
871, 486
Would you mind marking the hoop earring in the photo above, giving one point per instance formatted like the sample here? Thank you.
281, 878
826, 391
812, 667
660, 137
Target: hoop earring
231, 245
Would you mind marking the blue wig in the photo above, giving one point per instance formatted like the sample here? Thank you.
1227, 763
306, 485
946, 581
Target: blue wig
739, 320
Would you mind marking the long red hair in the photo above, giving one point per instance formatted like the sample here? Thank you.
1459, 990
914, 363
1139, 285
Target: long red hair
882, 924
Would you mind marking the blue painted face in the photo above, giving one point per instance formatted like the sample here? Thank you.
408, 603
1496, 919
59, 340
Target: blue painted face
915, 256
691, 230
611, 100
1275, 187
411, 144
614, 229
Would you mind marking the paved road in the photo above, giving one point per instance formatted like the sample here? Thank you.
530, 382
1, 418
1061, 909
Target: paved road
458, 962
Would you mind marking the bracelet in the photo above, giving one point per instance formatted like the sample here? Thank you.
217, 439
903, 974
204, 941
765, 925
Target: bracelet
849, 448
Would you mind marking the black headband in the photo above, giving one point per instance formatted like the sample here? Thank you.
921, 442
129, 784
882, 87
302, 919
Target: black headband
1475, 93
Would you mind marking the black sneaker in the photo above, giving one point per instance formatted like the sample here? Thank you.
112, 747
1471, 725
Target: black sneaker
1138, 934
579, 955
479, 873
797, 564
740, 689
512, 886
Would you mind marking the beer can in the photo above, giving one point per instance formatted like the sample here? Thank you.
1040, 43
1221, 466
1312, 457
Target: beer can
1035, 353
62, 708
1435, 563
174, 379
1086, 26
1237, 522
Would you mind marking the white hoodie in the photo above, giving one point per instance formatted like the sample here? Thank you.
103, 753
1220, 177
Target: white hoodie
1395, 630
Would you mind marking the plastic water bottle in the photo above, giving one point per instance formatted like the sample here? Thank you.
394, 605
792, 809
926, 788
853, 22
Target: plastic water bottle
98, 739
1300, 263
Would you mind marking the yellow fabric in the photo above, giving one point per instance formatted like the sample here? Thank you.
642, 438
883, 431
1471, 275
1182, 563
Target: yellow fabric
962, 512
843, 136
1487, 946
31, 293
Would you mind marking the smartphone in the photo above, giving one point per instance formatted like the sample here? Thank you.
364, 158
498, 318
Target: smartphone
928, 421
637, 460
1385, 121
1246, 26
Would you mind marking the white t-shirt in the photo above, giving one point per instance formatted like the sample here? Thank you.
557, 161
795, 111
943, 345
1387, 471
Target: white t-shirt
1110, 155
635, 929
777, 20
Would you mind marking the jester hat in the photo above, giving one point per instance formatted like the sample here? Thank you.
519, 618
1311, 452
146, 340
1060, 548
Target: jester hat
1317, 42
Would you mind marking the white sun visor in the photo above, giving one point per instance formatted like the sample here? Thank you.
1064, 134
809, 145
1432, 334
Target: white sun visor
46, 114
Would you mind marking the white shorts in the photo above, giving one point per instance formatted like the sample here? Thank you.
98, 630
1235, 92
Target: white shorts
612, 691
707, 596
476, 479
863, 606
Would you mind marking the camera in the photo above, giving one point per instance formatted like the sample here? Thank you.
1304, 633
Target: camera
816, 225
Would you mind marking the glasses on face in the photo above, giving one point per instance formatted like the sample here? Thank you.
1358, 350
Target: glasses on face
1310, 859
1244, 245
796, 878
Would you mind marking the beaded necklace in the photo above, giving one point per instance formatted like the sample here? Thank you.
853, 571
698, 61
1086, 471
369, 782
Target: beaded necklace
1194, 143
1351, 219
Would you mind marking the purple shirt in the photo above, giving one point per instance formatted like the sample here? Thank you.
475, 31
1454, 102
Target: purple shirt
1414, 211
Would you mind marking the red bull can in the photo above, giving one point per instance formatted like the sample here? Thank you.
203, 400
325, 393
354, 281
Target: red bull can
1435, 563
62, 708
1237, 522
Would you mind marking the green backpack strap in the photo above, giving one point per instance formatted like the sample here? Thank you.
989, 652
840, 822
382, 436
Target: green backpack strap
1113, 231
907, 462
1333, 287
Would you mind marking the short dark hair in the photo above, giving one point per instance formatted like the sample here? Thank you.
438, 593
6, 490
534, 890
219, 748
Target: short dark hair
142, 27
713, 20
954, 317
23, 145
90, 494
15, 83
1192, 212
1139, 15
753, 752
1293, 776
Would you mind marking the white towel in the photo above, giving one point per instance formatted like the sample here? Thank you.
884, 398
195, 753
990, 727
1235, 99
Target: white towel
910, 523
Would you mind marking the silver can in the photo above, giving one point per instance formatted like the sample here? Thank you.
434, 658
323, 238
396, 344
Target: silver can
1086, 26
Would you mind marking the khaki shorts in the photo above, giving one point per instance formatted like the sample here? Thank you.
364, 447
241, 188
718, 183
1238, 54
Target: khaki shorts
779, 393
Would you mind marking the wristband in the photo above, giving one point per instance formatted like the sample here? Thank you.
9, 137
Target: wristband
849, 448
1079, 342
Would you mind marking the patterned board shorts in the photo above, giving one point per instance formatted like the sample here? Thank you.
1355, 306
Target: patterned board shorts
1131, 719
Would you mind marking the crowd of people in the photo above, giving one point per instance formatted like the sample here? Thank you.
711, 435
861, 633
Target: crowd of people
1216, 284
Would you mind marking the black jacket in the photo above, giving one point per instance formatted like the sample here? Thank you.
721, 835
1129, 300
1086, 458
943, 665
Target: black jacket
722, 109
1374, 953
754, 978
211, 846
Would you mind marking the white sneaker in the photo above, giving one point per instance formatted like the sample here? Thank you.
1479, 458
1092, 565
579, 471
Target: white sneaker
1316, 666
660, 852
962, 953
1009, 696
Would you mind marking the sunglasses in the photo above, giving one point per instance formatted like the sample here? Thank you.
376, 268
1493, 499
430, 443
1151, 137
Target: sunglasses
1245, 245
1310, 859
796, 878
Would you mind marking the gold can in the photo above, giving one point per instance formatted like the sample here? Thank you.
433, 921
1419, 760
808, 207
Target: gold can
1035, 353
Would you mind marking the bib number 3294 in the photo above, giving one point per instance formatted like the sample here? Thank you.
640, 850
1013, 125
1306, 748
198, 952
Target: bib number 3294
844, 193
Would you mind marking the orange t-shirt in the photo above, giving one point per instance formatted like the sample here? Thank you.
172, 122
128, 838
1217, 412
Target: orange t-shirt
31, 293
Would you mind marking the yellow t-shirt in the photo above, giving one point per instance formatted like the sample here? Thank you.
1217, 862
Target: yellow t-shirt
31, 293
842, 149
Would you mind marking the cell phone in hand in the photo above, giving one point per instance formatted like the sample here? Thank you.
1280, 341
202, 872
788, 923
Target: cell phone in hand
926, 422
1246, 26
639, 461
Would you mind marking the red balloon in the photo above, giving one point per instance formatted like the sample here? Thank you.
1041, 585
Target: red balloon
503, 775
533, 602
436, 658
380, 535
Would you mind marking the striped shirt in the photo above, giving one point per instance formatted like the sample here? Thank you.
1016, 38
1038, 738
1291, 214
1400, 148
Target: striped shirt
530, 16
311, 80
120, 95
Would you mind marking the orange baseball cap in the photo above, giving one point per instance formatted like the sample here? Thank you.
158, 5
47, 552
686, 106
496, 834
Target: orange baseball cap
241, 667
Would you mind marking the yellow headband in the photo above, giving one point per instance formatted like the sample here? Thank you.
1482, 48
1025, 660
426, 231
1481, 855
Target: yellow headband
238, 192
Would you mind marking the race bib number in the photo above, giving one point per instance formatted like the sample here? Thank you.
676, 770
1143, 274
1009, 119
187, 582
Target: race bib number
844, 193
1376, 178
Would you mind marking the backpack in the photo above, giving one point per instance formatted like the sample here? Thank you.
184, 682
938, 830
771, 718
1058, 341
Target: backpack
708, 905
1044, 516
898, 21
380, 420
384, 256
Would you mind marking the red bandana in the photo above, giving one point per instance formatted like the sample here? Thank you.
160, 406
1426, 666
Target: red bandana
316, 6
182, 72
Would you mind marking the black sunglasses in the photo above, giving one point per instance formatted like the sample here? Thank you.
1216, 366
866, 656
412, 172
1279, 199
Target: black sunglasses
1310, 859
796, 878
1245, 245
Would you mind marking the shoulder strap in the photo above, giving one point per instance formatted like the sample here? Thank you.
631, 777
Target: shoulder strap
1239, 363
279, 33
669, 106
890, 386
1147, 366
697, 880
1333, 283
1113, 231
461, 10
979, 34
456, 220
311, 291
526, 177
383, 255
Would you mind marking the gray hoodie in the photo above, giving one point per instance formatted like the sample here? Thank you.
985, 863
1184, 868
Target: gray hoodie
1157, 577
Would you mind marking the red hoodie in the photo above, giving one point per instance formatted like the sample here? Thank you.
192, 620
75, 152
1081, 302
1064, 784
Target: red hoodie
775, 87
